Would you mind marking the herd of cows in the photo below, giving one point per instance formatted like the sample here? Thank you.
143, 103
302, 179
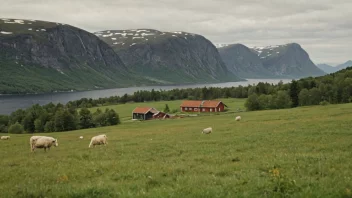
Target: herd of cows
46, 142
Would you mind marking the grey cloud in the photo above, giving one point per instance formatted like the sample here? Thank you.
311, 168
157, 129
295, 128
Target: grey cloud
322, 27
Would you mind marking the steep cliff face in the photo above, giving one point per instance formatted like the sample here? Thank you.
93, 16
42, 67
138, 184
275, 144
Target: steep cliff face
243, 61
169, 57
280, 61
287, 60
68, 57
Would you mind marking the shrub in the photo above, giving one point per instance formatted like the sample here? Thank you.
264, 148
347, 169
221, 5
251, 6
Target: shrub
85, 118
283, 100
324, 103
174, 111
252, 103
3, 128
166, 109
49, 126
16, 128
303, 97
265, 101
100, 119
39, 126
112, 117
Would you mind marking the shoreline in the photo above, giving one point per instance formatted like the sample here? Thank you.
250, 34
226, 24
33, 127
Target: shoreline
143, 86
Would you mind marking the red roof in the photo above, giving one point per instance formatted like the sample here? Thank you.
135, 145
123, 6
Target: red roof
200, 103
211, 103
144, 110
191, 103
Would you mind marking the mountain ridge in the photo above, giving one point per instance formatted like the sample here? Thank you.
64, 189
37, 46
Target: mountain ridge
288, 60
242, 61
331, 69
40, 56
185, 57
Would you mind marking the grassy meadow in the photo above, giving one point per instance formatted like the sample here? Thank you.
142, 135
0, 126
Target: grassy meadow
125, 110
300, 152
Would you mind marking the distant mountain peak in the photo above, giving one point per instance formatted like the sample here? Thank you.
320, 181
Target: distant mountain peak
265, 52
344, 65
288, 60
128, 38
168, 57
55, 56
218, 45
19, 26
348, 62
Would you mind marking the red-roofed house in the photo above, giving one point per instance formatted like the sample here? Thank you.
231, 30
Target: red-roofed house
202, 106
147, 113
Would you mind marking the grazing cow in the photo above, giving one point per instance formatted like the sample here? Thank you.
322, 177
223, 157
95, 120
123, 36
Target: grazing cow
238, 118
98, 140
207, 130
45, 142
5, 137
33, 139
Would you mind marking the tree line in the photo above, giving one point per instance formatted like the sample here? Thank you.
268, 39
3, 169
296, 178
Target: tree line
333, 88
329, 89
51, 117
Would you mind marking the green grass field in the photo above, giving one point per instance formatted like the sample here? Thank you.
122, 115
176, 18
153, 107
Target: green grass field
301, 152
125, 110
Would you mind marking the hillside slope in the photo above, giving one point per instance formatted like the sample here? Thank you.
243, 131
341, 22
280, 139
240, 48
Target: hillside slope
331, 69
280, 61
344, 65
39, 56
327, 68
241, 60
289, 60
168, 57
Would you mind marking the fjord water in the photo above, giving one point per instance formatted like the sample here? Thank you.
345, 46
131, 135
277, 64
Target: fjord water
10, 103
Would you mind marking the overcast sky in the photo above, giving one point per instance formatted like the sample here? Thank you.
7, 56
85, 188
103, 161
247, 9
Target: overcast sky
322, 27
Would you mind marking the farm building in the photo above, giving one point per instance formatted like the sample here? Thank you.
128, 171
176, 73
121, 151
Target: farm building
161, 115
202, 106
147, 113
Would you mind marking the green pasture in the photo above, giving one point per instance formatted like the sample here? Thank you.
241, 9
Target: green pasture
300, 152
125, 110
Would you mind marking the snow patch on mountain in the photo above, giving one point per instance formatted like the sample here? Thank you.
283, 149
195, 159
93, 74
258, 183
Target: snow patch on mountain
3, 32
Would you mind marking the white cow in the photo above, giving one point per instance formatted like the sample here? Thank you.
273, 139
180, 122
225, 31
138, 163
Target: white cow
238, 118
33, 139
207, 130
5, 137
98, 140
45, 142
80, 137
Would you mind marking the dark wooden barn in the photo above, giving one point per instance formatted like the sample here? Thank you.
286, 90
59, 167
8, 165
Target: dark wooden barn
143, 113
161, 115
202, 106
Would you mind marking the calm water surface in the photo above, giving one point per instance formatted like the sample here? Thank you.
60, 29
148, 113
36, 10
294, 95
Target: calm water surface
10, 103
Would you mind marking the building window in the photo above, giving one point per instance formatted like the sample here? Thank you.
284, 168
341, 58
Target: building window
203, 109
211, 110
219, 109
195, 109
190, 109
186, 108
